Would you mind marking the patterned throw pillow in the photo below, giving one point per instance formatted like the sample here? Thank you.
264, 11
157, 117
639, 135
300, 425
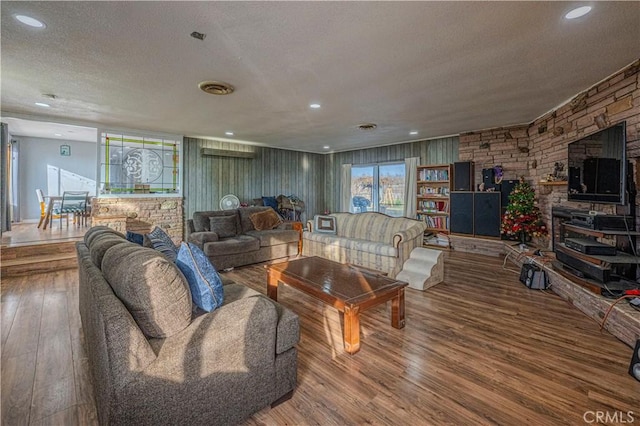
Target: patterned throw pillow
163, 243
205, 283
135, 238
266, 219
324, 224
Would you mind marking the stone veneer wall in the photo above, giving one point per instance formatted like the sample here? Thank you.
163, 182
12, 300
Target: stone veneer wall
140, 214
531, 150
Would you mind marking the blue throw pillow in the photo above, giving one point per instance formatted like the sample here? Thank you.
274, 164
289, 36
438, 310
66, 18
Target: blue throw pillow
135, 238
204, 281
270, 202
163, 243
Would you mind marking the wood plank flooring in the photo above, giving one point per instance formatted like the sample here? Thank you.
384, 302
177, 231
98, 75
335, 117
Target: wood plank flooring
27, 250
478, 348
28, 233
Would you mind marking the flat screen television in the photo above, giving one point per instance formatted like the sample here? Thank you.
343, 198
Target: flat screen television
597, 166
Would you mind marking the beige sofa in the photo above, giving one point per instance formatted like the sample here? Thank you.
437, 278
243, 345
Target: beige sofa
371, 240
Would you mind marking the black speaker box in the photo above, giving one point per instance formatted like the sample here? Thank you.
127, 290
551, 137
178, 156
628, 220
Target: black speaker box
488, 177
463, 176
486, 214
506, 186
533, 277
634, 367
461, 219
489, 180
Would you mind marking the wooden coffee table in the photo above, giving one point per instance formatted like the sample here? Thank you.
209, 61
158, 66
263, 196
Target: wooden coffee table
347, 288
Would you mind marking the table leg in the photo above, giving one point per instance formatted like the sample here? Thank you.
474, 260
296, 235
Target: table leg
397, 310
351, 330
297, 226
272, 286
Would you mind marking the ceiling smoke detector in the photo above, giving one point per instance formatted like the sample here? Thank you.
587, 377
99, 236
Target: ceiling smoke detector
216, 87
367, 126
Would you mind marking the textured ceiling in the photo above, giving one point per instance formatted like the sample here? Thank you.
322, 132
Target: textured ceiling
436, 67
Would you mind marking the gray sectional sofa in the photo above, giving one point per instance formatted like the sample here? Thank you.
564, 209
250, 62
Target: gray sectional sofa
238, 243
156, 361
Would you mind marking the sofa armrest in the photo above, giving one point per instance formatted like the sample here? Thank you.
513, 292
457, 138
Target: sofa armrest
191, 228
285, 226
234, 337
407, 235
200, 238
310, 225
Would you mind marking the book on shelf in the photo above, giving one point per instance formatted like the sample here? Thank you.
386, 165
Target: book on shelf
431, 206
433, 175
435, 222
442, 191
438, 239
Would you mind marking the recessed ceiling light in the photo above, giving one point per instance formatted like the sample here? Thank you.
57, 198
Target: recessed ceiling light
413, 132
28, 20
578, 12
228, 133
57, 134
314, 106
326, 147
42, 104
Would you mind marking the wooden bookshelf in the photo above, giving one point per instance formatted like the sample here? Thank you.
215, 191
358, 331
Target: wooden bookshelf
432, 200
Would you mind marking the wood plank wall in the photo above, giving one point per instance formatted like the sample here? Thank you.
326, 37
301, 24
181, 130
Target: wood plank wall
270, 173
315, 178
435, 151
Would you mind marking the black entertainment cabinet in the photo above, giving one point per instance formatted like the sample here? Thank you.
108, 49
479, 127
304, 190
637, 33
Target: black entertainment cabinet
578, 251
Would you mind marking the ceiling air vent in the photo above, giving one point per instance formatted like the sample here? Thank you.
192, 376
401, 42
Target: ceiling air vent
216, 87
367, 126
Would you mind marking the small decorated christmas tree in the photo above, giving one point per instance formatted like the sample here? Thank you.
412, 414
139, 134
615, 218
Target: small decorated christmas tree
523, 219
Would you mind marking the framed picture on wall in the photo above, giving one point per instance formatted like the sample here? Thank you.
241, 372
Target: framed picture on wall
65, 150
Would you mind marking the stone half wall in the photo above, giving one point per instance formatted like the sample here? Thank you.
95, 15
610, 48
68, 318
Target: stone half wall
140, 215
531, 150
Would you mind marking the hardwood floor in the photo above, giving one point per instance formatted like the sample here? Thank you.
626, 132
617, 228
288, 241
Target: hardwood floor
28, 233
478, 348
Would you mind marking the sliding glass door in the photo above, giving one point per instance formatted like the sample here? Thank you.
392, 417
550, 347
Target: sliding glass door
378, 188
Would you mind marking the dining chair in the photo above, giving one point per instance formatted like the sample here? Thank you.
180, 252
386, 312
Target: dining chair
73, 202
43, 209
86, 216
